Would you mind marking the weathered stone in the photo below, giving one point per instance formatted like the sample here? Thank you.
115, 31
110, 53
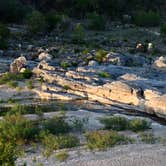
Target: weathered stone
45, 56
115, 59
160, 63
44, 65
157, 105
93, 63
149, 94
18, 64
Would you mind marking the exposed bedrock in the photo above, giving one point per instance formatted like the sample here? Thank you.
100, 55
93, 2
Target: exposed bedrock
129, 88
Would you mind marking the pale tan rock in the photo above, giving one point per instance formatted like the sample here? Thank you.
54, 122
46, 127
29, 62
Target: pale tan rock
160, 63
148, 94
44, 56
157, 105
18, 64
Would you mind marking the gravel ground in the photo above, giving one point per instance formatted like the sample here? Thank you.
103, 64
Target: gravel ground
126, 155
138, 154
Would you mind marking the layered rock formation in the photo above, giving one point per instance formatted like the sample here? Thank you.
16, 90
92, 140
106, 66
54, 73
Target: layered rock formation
138, 90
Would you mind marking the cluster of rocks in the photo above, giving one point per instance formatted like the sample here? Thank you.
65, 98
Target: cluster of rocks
137, 90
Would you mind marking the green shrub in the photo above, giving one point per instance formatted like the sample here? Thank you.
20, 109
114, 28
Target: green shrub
27, 73
65, 23
64, 65
105, 139
148, 138
52, 142
12, 10
66, 87
4, 32
36, 22
53, 19
147, 19
79, 33
139, 125
8, 152
12, 84
104, 74
16, 127
96, 21
117, 123
29, 84
163, 29
17, 108
4, 35
7, 77
3, 45
56, 125
79, 124
62, 156
100, 55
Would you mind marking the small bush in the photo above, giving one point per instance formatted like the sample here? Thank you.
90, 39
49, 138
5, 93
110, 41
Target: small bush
4, 35
100, 55
16, 127
79, 33
52, 142
104, 75
105, 139
163, 29
66, 87
79, 124
64, 65
7, 77
148, 138
147, 19
12, 84
139, 125
96, 21
29, 84
117, 123
36, 22
65, 23
62, 156
27, 74
56, 125
8, 152
3, 44
12, 10
4, 32
53, 19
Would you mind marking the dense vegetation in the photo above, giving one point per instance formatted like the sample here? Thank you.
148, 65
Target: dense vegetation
15, 10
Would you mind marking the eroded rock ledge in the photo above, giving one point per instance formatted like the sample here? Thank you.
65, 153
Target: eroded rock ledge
137, 89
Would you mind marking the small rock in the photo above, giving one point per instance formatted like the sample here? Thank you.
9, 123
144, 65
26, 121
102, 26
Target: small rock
17, 65
45, 56
93, 63
140, 47
22, 70
160, 63
30, 47
150, 47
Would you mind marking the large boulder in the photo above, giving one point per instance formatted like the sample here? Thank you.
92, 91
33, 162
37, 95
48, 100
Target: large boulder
157, 105
18, 64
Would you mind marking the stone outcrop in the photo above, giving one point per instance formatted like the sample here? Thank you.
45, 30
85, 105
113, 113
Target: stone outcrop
18, 64
129, 91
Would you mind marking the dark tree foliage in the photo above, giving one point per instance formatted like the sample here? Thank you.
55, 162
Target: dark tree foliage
15, 10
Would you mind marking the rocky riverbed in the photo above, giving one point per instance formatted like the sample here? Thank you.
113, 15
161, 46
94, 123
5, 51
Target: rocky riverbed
105, 76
